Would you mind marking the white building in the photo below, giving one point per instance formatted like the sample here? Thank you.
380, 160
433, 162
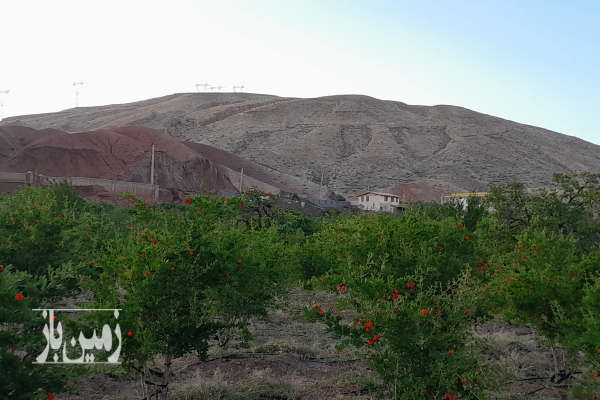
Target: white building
463, 198
378, 201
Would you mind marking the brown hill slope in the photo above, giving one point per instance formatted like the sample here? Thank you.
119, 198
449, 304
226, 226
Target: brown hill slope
355, 141
124, 154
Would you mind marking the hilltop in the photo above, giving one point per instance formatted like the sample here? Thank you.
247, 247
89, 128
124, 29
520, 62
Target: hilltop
354, 141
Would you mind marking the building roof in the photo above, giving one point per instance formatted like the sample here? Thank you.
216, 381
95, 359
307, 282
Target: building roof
377, 193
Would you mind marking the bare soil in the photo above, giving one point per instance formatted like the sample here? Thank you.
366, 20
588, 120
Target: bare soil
290, 358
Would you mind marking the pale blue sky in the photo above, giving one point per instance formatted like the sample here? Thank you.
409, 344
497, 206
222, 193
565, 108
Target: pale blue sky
535, 62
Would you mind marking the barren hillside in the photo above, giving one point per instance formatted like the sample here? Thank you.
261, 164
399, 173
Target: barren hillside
124, 154
354, 141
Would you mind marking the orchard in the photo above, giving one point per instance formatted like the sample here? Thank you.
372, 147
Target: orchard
191, 276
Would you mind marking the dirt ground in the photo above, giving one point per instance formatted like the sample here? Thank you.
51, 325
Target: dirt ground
290, 358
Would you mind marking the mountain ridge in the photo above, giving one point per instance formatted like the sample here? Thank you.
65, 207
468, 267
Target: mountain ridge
354, 141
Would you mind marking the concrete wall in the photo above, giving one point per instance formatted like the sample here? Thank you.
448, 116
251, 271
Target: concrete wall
142, 190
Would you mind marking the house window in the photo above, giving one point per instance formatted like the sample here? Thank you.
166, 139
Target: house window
367, 198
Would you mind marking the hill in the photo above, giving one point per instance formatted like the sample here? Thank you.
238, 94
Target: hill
124, 154
353, 141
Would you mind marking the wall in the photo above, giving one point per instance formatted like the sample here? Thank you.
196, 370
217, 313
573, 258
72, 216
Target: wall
142, 190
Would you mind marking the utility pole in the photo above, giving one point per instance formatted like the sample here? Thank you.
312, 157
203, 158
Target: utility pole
242, 181
321, 186
152, 167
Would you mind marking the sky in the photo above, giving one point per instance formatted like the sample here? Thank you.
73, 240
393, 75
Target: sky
533, 62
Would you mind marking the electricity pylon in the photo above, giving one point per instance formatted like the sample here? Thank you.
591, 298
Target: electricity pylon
75, 84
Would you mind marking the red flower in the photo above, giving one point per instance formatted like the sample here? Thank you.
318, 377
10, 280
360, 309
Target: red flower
440, 247
368, 324
19, 297
143, 255
480, 259
241, 204
226, 199
598, 351
519, 246
80, 258
468, 237
154, 242
315, 306
323, 280
200, 208
123, 257
50, 396
376, 338
449, 396
463, 381
239, 260
187, 201
424, 311
410, 284
468, 311
321, 311
459, 224
129, 333
1, 267
450, 351
342, 288
191, 253
90, 262
370, 342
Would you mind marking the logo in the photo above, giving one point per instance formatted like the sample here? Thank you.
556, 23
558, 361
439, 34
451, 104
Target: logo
93, 345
